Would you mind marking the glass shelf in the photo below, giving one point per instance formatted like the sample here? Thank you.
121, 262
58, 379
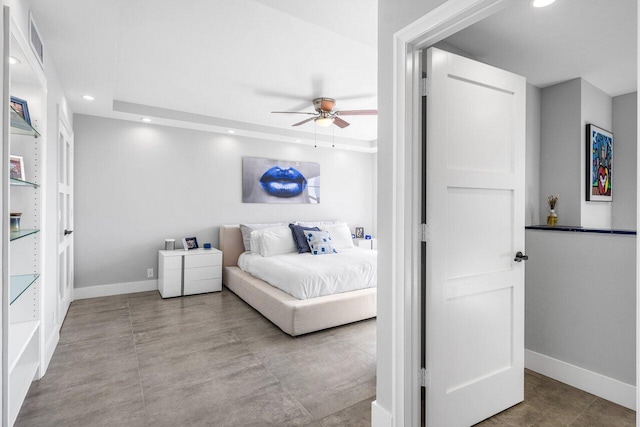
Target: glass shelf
20, 127
15, 235
21, 183
19, 284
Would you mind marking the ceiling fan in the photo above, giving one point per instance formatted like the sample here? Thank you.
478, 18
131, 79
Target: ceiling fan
325, 115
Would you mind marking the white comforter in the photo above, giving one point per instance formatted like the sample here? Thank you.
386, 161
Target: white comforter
309, 276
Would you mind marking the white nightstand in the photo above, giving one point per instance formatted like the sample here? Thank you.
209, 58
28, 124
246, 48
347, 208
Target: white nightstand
366, 243
191, 272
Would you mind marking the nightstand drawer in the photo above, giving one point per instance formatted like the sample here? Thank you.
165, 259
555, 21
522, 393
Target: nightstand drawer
201, 273
170, 262
202, 286
203, 260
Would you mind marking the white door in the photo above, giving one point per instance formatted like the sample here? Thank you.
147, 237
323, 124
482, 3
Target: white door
65, 218
474, 316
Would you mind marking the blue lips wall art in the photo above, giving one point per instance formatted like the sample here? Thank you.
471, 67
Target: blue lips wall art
281, 182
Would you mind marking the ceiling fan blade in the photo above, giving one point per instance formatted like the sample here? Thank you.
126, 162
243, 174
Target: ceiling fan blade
293, 112
304, 121
358, 113
340, 123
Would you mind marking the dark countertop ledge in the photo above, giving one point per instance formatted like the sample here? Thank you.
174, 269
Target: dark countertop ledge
577, 229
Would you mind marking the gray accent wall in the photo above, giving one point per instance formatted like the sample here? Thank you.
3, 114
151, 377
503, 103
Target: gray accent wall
137, 184
560, 150
532, 159
625, 133
580, 300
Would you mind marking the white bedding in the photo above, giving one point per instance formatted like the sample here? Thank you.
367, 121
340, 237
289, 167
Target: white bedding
307, 276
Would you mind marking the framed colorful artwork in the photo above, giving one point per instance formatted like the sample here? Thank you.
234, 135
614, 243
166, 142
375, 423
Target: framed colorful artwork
599, 171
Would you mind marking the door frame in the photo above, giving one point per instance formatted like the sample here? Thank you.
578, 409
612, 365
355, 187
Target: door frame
408, 43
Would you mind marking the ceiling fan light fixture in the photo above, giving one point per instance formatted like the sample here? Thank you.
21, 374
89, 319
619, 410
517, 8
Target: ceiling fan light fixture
541, 3
324, 121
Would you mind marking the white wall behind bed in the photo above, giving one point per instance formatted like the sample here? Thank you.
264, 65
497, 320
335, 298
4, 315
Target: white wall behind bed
137, 184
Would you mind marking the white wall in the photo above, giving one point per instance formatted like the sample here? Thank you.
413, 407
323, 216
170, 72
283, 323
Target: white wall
623, 208
137, 184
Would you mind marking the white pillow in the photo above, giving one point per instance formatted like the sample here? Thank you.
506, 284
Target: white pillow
246, 230
340, 235
256, 241
275, 241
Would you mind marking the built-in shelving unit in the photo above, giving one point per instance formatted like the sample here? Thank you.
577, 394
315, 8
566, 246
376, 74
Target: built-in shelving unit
22, 249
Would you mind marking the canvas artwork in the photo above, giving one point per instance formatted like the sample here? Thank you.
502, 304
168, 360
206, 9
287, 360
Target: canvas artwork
279, 181
600, 164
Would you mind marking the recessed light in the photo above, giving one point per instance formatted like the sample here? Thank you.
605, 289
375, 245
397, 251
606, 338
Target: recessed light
541, 3
13, 60
146, 119
297, 140
88, 97
231, 131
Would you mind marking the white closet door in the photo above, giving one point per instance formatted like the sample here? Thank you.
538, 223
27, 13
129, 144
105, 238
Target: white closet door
65, 217
475, 216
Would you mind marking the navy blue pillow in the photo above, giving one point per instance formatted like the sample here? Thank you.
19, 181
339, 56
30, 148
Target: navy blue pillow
299, 238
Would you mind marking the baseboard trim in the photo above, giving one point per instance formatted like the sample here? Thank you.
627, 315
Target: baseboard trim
380, 417
589, 381
49, 349
115, 289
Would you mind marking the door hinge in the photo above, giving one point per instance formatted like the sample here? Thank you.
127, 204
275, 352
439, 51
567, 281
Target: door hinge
424, 378
425, 86
424, 233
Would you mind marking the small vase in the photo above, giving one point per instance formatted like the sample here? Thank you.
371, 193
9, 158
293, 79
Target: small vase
14, 222
552, 219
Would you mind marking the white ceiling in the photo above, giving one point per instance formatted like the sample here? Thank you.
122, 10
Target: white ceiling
218, 64
230, 60
593, 39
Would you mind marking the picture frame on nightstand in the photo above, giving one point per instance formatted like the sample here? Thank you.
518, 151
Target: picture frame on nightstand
189, 243
359, 232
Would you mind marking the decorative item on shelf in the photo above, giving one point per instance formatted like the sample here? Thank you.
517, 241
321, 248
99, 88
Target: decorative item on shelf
14, 221
20, 107
207, 245
368, 237
359, 232
16, 167
552, 219
169, 244
189, 243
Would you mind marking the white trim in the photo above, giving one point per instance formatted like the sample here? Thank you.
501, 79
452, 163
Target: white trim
441, 22
380, 417
114, 289
49, 349
589, 381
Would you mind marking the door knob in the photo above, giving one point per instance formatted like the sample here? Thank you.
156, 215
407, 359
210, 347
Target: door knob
520, 257
67, 232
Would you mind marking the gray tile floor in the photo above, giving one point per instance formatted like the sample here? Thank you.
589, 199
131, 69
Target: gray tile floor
551, 403
206, 360
211, 360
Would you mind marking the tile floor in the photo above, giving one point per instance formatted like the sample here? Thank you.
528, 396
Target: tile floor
211, 360
206, 360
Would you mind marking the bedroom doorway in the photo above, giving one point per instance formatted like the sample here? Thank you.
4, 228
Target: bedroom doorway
65, 217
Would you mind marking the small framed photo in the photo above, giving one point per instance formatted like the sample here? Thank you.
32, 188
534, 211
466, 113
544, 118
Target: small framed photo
359, 232
16, 167
21, 107
190, 243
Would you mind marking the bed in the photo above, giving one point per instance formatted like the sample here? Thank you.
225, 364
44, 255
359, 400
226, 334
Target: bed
294, 316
